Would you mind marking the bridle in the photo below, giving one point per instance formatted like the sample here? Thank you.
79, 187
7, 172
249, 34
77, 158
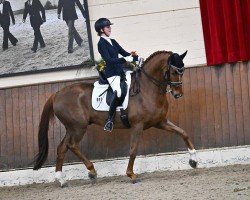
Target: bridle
160, 84
167, 81
179, 71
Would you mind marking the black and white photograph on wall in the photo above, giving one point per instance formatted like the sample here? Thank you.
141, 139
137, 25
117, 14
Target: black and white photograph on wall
39, 35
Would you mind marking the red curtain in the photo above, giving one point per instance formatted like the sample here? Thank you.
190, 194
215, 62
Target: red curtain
226, 30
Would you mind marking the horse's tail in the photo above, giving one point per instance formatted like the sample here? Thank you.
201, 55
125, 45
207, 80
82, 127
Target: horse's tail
43, 142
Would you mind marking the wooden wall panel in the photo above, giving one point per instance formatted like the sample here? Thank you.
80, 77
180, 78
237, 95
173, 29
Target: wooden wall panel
29, 124
9, 129
245, 100
3, 132
16, 129
231, 106
224, 107
23, 126
238, 103
247, 133
214, 111
35, 117
203, 111
217, 107
188, 103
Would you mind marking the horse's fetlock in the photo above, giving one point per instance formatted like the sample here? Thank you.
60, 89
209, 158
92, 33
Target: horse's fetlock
132, 156
90, 167
130, 173
185, 136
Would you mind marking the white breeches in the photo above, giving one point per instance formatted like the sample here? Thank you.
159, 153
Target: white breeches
114, 82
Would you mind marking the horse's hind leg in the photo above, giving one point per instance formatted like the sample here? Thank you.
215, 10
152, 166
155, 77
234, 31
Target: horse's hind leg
61, 151
135, 136
169, 126
71, 141
73, 146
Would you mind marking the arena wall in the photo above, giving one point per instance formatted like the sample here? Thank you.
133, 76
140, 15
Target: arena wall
214, 111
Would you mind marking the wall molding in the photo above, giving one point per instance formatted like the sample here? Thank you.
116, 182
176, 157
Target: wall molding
47, 77
116, 167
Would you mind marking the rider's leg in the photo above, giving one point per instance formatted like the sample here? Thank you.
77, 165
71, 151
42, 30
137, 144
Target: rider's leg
114, 82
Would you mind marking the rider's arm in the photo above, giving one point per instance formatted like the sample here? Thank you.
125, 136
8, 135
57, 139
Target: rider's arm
121, 50
106, 57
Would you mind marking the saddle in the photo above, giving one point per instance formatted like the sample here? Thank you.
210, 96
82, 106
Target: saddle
102, 93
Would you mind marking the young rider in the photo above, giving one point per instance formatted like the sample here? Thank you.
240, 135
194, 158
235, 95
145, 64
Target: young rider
109, 50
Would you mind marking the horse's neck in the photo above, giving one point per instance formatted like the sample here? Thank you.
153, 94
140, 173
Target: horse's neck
157, 63
154, 68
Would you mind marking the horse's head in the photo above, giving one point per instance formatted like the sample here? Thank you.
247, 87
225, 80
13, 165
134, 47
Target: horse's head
174, 73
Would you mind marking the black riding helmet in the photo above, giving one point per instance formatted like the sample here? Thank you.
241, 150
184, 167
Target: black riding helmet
101, 23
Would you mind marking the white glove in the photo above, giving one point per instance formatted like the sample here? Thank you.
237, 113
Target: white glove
140, 61
129, 58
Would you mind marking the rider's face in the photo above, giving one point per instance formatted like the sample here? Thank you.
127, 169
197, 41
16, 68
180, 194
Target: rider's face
107, 30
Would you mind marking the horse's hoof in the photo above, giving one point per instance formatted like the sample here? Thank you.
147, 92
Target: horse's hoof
137, 180
193, 163
64, 185
92, 176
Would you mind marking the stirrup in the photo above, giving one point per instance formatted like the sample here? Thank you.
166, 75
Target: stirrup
108, 126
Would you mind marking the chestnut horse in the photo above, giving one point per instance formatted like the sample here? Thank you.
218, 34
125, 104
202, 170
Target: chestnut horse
72, 106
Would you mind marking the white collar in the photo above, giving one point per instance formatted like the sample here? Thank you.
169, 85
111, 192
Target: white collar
107, 38
1, 7
30, 2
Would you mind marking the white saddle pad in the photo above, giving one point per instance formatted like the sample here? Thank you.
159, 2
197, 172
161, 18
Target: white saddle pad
99, 102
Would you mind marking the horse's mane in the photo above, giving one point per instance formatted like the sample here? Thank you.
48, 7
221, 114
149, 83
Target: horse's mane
154, 54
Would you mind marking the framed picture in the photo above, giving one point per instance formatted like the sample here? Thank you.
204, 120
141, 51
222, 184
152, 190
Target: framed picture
43, 35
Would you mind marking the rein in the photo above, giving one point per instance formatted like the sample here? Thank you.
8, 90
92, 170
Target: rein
160, 84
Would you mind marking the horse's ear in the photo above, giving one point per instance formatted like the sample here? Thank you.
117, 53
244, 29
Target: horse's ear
183, 55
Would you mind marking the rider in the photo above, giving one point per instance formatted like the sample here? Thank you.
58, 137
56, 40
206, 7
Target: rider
109, 50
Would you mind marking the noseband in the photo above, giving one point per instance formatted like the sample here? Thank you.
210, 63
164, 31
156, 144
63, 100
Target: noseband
179, 71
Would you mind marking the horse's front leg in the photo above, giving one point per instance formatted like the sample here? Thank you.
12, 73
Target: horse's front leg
134, 141
169, 126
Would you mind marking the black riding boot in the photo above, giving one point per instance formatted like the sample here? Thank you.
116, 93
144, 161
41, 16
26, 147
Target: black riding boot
112, 110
